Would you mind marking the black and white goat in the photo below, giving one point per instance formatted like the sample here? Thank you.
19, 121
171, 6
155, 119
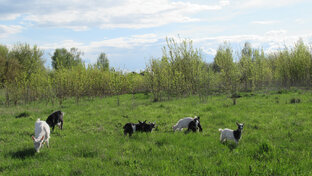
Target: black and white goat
148, 127
133, 127
141, 126
234, 135
189, 123
56, 118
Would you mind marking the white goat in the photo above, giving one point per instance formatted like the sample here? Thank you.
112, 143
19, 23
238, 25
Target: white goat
183, 123
228, 134
42, 134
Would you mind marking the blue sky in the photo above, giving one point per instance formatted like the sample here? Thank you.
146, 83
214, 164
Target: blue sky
131, 32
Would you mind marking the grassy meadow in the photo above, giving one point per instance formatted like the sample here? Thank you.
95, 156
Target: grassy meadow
276, 139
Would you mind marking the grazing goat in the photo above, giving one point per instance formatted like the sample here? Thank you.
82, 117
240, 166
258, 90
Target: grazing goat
184, 123
148, 127
228, 134
194, 125
56, 118
133, 127
42, 134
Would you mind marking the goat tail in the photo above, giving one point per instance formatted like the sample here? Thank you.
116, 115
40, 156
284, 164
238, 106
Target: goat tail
38, 119
220, 129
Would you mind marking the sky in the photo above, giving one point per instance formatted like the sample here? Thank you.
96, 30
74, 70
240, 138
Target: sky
131, 32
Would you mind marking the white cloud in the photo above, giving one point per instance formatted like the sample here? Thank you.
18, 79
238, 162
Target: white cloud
270, 41
209, 51
12, 16
119, 42
76, 14
6, 30
127, 42
63, 44
276, 32
265, 22
246, 4
77, 28
119, 49
230, 38
224, 2
300, 21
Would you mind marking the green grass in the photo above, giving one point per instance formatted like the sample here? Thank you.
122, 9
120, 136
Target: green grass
276, 139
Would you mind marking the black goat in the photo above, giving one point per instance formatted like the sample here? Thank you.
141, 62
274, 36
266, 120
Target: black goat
56, 118
148, 127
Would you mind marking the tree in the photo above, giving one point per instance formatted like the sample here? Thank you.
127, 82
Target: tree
300, 64
116, 84
181, 61
29, 58
30, 62
102, 62
247, 50
206, 81
246, 66
76, 54
4, 51
154, 79
228, 70
3, 60
63, 58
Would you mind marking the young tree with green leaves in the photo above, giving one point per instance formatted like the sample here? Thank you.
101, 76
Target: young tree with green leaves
31, 63
102, 62
117, 84
226, 68
29, 58
66, 59
246, 65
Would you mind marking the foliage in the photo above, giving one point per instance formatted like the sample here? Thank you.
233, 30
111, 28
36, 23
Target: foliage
180, 72
177, 73
227, 69
29, 58
66, 59
102, 62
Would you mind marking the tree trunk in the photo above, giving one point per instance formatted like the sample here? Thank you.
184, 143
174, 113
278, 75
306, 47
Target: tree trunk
118, 103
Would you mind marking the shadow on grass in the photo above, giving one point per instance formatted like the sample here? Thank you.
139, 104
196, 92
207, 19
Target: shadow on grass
57, 133
23, 114
22, 154
230, 145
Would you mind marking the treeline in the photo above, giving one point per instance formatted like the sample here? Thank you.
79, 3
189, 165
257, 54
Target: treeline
180, 72
25, 79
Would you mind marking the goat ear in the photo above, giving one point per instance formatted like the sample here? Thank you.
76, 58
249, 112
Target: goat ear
139, 121
237, 124
144, 121
42, 138
33, 138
